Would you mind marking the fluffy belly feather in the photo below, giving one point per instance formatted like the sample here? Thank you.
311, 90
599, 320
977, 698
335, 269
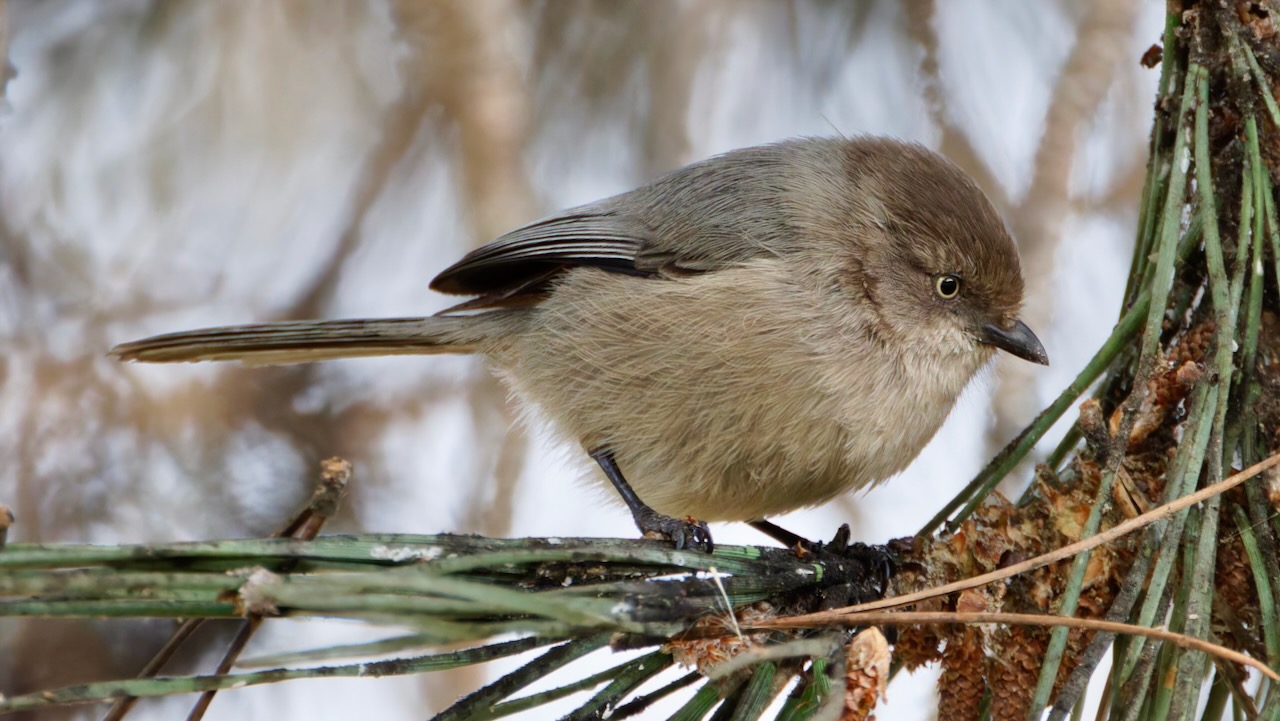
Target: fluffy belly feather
720, 421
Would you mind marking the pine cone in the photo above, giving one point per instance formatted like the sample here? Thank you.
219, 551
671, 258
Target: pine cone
917, 646
1016, 667
962, 684
867, 659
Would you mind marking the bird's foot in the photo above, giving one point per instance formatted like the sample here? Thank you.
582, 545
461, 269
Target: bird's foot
866, 570
685, 533
877, 562
689, 533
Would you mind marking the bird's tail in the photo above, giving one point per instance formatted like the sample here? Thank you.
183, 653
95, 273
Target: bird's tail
307, 341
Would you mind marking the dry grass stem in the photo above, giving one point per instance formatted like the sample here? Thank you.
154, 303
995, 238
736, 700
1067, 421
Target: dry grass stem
1107, 536
1022, 619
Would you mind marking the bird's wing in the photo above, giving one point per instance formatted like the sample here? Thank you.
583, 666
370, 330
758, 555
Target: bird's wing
709, 215
540, 250
518, 268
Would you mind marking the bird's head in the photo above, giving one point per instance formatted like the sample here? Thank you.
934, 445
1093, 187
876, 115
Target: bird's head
940, 269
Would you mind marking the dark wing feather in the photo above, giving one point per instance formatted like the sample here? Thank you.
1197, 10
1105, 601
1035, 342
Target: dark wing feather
527, 258
708, 215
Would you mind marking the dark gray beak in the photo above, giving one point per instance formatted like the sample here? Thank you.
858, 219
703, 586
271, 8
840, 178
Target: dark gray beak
1018, 340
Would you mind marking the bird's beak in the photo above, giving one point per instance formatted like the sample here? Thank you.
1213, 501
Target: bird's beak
1016, 339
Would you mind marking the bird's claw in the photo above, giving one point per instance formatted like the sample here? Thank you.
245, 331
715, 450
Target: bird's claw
876, 557
687, 533
877, 563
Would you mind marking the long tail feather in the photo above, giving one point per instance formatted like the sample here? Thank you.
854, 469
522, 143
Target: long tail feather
306, 341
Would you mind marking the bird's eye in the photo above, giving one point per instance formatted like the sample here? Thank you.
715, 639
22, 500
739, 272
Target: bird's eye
947, 286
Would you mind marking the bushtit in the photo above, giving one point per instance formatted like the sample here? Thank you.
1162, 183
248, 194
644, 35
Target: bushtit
751, 334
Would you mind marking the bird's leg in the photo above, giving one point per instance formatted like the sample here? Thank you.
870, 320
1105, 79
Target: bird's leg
693, 534
783, 536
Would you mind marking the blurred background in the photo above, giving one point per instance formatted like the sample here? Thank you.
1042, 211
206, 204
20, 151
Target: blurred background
166, 165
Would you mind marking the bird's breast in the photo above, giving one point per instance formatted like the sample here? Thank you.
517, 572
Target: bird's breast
725, 396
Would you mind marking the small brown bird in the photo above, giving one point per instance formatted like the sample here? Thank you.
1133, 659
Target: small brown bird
751, 334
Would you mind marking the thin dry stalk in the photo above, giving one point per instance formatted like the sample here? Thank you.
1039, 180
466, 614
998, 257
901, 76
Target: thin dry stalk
1107, 536
1031, 619
335, 474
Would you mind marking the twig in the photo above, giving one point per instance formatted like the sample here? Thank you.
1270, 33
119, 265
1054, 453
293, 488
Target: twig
334, 475
248, 627
6, 521
1024, 619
